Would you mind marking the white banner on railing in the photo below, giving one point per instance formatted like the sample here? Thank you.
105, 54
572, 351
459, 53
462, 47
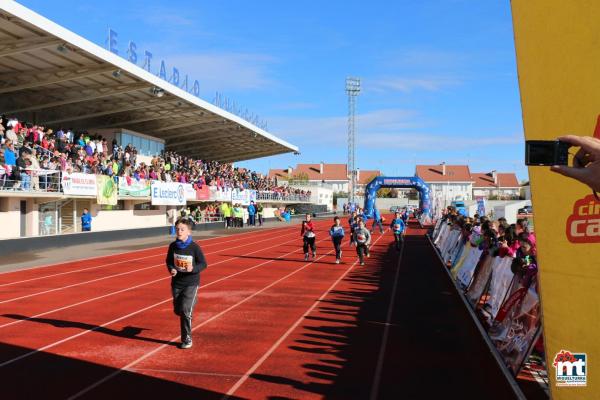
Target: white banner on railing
502, 276
466, 272
190, 192
243, 197
79, 184
168, 193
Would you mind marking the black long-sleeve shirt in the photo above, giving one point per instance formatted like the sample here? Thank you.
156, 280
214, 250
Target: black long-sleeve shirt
179, 259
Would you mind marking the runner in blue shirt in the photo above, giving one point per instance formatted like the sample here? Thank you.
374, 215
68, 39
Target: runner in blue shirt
376, 220
337, 235
397, 226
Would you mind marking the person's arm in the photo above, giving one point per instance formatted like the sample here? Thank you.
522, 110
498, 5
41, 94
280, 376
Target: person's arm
200, 260
368, 242
586, 163
170, 261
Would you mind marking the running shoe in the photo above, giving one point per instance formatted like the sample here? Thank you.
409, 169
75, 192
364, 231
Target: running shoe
306, 257
314, 255
337, 260
362, 264
186, 345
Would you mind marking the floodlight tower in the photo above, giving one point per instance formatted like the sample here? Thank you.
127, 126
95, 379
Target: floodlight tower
352, 89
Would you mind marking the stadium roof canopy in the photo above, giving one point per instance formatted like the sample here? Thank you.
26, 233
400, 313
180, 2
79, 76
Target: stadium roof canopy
53, 77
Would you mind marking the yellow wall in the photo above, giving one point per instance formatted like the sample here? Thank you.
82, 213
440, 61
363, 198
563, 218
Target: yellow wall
558, 56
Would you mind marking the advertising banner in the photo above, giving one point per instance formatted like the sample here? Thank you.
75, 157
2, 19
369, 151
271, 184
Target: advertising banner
203, 193
558, 60
480, 206
167, 193
79, 184
243, 197
134, 188
107, 190
217, 194
190, 192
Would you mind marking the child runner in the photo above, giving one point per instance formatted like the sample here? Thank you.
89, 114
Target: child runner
352, 223
362, 237
376, 220
397, 226
308, 237
185, 261
259, 212
337, 236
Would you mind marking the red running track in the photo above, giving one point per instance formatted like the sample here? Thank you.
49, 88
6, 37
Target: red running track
267, 324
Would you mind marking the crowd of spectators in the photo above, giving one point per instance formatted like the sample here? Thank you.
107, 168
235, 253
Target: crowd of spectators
29, 152
497, 238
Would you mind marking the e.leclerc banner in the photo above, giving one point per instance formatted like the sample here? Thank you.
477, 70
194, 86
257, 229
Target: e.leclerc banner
167, 193
558, 57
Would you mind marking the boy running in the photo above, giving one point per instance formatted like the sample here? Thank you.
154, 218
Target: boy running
397, 226
376, 220
308, 237
362, 237
353, 223
185, 261
337, 236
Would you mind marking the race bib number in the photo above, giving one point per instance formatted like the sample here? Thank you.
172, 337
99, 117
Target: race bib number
309, 234
397, 227
337, 229
361, 238
183, 262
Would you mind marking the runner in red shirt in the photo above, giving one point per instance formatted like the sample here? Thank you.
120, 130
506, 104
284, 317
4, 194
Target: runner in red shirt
308, 237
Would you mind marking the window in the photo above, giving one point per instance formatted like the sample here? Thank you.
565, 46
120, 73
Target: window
119, 206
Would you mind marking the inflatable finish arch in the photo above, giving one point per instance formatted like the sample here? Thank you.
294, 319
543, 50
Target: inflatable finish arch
396, 182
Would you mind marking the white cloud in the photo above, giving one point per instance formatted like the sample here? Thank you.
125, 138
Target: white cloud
386, 129
407, 85
226, 71
334, 129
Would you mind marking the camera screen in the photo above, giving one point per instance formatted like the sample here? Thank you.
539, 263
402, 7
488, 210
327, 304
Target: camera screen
541, 153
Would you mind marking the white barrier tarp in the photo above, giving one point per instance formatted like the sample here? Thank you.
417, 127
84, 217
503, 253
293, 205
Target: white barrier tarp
501, 279
465, 274
481, 280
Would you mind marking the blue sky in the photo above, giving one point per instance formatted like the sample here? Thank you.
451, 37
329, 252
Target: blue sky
439, 79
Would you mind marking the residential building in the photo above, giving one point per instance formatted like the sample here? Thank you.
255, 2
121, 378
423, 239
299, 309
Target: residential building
334, 175
501, 186
447, 182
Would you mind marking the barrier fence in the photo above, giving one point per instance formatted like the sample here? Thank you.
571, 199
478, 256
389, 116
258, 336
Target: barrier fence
507, 308
82, 184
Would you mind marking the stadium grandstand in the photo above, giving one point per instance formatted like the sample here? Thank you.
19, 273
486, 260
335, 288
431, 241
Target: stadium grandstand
70, 107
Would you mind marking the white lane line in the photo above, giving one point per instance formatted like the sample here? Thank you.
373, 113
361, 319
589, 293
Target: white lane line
134, 313
115, 262
171, 371
268, 353
174, 340
120, 274
127, 289
386, 331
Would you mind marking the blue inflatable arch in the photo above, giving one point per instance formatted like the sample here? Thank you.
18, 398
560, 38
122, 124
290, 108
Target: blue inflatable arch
396, 182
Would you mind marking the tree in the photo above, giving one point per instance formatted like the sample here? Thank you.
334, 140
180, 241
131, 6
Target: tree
302, 177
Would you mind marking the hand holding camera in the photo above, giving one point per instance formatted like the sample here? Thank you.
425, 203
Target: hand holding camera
586, 162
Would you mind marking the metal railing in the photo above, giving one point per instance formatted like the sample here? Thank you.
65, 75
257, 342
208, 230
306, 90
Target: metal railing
276, 196
44, 180
30, 180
